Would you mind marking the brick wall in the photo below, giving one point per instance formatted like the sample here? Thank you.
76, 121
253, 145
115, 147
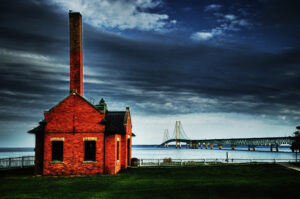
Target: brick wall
112, 166
73, 115
124, 152
125, 141
73, 155
73, 119
129, 133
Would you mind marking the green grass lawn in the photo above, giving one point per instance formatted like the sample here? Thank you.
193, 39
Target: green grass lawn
221, 181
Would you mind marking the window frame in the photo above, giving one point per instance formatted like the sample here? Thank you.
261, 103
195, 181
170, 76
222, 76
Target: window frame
57, 150
128, 150
118, 150
90, 151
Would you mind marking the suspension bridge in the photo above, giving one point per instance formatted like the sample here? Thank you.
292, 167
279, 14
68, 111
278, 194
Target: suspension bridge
179, 136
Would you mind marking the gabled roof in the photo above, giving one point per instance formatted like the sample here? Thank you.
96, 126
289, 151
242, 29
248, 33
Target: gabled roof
72, 94
115, 121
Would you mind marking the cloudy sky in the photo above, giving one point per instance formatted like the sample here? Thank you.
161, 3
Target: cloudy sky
224, 68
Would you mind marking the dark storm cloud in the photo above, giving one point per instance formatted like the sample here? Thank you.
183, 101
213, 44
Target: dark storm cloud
227, 79
151, 77
33, 27
285, 12
33, 59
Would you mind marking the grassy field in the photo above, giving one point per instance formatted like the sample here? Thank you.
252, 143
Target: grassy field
222, 181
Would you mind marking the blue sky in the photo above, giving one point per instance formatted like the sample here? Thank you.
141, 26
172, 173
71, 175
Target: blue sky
224, 68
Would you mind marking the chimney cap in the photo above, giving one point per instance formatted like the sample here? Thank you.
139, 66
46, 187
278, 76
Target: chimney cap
71, 12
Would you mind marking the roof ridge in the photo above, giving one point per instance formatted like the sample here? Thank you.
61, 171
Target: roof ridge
72, 94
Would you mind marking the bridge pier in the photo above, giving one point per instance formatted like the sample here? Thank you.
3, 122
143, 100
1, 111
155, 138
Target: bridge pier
178, 145
233, 147
201, 145
276, 147
194, 145
211, 146
206, 145
166, 145
249, 147
220, 146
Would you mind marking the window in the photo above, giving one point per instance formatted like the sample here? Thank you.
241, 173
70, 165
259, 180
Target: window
118, 152
90, 151
57, 151
128, 150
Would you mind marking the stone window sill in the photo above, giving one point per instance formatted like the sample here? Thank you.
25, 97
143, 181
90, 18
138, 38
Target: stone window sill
88, 162
56, 162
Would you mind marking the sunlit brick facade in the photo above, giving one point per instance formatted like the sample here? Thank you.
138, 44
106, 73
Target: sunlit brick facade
77, 137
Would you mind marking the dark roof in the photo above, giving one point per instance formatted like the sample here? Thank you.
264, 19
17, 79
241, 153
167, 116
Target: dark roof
114, 122
40, 128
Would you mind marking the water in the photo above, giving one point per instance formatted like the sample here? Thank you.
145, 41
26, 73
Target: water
241, 152
16, 152
154, 152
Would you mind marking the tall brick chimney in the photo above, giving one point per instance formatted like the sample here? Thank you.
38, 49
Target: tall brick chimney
76, 52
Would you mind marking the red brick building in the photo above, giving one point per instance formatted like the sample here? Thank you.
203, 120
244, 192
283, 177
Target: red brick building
77, 137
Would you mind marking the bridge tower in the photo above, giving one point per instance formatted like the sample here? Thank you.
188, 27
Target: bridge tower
178, 136
166, 137
178, 133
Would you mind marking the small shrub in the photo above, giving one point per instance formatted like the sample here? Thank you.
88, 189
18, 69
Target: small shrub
135, 162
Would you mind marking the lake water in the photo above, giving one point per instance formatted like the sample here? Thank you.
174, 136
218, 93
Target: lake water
16, 152
154, 152
241, 152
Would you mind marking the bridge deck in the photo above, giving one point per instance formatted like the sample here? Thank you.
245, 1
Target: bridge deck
261, 141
